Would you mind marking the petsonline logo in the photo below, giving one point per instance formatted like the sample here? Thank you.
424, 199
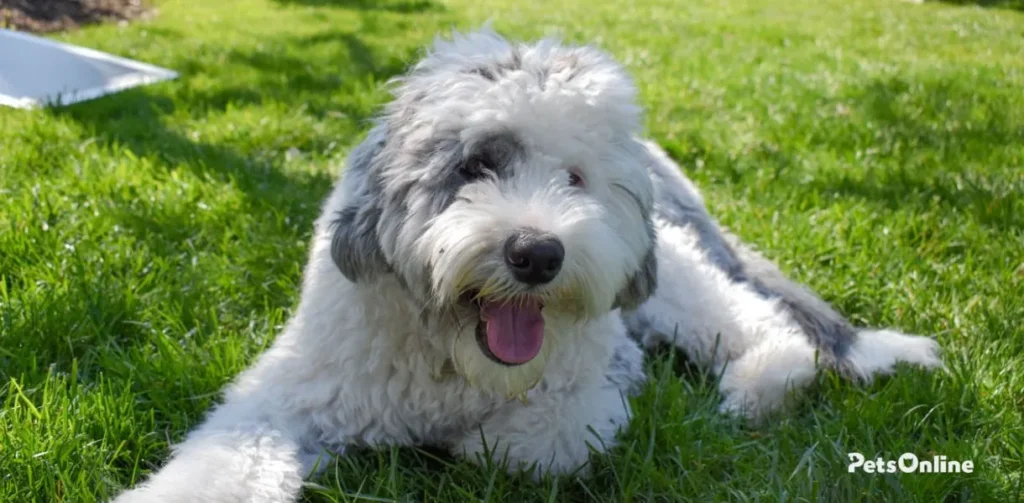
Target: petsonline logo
908, 462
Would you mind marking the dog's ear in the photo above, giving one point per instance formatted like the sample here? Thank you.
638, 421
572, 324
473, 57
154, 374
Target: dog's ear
640, 285
355, 244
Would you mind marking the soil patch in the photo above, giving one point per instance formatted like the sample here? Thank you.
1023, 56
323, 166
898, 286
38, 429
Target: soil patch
42, 16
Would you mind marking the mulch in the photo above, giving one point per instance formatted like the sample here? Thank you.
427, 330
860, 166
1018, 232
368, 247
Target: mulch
41, 16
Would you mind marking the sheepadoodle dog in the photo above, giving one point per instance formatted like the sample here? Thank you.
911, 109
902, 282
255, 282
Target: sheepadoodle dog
486, 275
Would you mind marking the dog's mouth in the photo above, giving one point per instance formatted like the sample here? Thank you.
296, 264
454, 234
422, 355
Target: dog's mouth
510, 332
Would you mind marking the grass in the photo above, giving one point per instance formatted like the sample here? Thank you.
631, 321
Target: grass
151, 243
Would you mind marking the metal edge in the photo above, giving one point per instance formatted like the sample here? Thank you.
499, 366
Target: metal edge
91, 53
91, 93
145, 73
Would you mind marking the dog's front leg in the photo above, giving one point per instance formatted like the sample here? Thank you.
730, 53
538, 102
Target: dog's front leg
248, 450
232, 458
553, 433
750, 341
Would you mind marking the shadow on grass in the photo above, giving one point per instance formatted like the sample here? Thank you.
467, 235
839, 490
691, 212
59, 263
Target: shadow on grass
398, 6
921, 143
139, 120
282, 74
136, 121
1017, 5
926, 136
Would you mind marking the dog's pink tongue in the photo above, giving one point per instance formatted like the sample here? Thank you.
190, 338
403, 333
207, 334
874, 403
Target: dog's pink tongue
515, 331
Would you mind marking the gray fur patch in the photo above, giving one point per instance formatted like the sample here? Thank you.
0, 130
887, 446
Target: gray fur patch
496, 152
826, 328
355, 246
496, 69
395, 182
679, 205
640, 286
626, 370
638, 325
644, 281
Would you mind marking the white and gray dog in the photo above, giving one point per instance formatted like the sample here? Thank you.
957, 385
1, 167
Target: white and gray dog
485, 275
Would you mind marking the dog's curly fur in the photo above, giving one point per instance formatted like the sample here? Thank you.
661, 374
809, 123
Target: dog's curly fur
486, 138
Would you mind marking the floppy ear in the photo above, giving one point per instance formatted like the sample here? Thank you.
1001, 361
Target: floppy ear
355, 245
641, 285
644, 280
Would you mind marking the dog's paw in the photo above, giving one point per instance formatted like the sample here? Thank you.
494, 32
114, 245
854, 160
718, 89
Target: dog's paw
757, 383
754, 407
740, 405
876, 352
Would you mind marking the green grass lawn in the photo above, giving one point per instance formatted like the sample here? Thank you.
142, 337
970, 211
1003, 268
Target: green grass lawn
151, 243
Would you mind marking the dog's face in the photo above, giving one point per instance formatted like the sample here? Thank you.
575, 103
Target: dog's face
506, 191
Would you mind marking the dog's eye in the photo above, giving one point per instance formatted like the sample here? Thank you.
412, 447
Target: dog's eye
575, 180
476, 167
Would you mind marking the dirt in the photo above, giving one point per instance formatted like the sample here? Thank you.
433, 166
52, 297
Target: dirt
43, 16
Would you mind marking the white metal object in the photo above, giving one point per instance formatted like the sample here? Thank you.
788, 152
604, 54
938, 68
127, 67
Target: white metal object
36, 72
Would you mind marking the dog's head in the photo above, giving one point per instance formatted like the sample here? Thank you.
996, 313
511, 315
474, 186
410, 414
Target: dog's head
505, 189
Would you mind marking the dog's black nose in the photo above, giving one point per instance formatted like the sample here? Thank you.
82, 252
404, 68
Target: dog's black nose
534, 257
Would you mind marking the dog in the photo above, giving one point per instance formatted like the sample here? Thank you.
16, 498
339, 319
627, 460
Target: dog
486, 276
